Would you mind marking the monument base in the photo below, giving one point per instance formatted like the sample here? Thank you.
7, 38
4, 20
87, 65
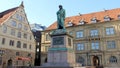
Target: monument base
61, 53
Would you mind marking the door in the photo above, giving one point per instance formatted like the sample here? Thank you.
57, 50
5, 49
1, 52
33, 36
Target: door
96, 61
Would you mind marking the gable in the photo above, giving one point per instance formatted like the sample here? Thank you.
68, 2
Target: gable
6, 14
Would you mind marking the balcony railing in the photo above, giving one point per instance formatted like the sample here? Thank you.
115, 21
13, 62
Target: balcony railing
95, 37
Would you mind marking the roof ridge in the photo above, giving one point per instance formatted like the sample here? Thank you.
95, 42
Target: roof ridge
7, 11
93, 12
88, 16
6, 14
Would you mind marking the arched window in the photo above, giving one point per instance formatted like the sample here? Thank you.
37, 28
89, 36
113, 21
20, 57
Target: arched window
13, 23
19, 35
4, 29
81, 60
113, 59
13, 32
18, 44
19, 26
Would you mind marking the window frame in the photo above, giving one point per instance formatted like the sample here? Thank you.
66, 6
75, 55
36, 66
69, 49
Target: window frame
107, 18
113, 59
111, 44
18, 44
80, 34
80, 46
4, 30
94, 32
95, 45
94, 20
110, 30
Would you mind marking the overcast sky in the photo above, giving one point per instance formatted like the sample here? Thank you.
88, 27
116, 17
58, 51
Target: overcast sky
44, 11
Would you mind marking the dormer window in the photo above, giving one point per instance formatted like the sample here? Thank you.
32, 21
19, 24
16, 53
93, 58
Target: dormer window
94, 20
70, 24
119, 16
107, 18
81, 22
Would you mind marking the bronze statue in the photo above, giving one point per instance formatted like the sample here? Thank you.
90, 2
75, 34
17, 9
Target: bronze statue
60, 18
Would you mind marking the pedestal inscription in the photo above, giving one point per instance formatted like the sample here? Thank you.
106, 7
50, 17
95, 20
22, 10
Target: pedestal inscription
58, 41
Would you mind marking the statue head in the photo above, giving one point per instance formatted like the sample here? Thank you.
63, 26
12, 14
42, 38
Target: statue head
60, 6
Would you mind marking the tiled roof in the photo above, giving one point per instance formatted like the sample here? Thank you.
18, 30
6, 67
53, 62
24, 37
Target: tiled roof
113, 14
6, 14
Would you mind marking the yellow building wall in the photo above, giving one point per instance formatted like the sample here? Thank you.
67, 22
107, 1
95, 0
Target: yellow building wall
103, 53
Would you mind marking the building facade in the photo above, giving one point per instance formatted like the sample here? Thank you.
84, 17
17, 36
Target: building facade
17, 44
96, 38
36, 30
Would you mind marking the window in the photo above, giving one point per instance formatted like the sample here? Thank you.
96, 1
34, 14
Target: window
94, 32
19, 35
107, 18
16, 62
23, 63
29, 55
110, 31
19, 17
11, 43
47, 37
81, 60
94, 20
17, 53
71, 33
18, 44
81, 22
70, 24
24, 45
113, 59
95, 45
79, 34
111, 44
3, 41
80, 46
119, 16
13, 23
4, 29
30, 37
19, 26
13, 32
30, 46
25, 28
25, 35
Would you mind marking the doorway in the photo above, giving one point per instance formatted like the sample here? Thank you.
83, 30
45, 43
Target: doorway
45, 60
9, 62
96, 61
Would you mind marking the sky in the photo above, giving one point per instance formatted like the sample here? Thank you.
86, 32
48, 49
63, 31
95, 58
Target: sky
44, 11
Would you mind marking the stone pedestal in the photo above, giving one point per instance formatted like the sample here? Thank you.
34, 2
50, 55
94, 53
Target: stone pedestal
61, 53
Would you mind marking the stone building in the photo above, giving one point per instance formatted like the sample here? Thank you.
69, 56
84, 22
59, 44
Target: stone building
17, 44
96, 37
